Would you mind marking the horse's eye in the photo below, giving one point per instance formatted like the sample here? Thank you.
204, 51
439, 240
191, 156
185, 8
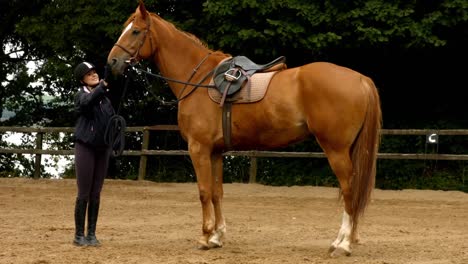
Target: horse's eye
135, 32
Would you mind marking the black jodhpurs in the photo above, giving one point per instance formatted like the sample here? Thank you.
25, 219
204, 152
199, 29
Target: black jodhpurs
91, 165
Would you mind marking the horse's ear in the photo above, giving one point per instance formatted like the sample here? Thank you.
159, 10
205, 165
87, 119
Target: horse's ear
142, 8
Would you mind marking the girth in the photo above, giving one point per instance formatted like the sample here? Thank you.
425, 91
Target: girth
230, 76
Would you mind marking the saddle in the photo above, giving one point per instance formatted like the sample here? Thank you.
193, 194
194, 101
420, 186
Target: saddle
232, 74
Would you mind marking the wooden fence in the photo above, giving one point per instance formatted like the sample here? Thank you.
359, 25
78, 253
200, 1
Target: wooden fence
144, 152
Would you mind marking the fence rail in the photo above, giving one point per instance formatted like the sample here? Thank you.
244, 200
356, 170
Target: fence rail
144, 152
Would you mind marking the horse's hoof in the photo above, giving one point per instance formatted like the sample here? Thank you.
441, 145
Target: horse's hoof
338, 252
203, 245
331, 249
216, 244
356, 240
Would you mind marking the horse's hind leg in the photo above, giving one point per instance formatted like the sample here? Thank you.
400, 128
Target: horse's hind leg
340, 162
220, 224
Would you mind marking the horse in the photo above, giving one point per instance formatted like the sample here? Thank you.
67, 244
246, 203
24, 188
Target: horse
339, 106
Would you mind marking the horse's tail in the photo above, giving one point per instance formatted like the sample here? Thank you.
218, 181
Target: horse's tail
364, 154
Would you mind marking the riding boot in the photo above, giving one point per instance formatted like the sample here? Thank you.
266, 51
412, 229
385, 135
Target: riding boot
80, 214
93, 210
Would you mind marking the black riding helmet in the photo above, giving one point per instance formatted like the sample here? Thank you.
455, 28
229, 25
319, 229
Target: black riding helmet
82, 69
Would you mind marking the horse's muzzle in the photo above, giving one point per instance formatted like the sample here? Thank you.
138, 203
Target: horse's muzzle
117, 65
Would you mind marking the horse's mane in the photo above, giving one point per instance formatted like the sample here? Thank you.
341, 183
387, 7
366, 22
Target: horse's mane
189, 35
129, 20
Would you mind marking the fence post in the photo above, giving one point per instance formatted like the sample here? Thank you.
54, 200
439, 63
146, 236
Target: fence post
37, 162
143, 158
253, 170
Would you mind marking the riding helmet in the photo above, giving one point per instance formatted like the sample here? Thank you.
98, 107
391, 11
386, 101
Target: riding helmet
82, 69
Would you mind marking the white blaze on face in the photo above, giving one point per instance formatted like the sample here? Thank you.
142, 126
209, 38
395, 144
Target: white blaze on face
129, 26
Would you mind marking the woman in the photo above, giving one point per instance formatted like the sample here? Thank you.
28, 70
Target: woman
92, 153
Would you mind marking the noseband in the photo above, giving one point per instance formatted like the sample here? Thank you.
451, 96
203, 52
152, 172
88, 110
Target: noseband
134, 59
134, 56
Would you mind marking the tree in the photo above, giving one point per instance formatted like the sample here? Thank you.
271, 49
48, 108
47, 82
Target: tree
312, 28
58, 35
391, 41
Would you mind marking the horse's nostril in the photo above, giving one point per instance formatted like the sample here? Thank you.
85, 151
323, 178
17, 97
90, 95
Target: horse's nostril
114, 61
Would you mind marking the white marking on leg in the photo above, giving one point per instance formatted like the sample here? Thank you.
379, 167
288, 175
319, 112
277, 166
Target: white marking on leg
343, 240
215, 240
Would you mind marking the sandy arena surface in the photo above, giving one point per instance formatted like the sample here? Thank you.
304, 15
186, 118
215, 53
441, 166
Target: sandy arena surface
146, 222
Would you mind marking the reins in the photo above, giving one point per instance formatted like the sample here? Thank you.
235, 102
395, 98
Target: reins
133, 60
177, 81
114, 136
115, 130
186, 84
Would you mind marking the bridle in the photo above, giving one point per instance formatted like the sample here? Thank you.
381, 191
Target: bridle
181, 95
114, 134
135, 55
134, 58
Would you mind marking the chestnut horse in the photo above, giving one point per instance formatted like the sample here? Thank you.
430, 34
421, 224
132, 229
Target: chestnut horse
337, 105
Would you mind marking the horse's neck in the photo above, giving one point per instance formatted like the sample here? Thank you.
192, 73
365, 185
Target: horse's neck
178, 57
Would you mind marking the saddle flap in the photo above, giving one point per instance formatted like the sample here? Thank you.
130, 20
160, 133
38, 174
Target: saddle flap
225, 78
231, 74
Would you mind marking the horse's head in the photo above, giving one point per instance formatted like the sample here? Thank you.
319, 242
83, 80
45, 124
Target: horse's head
134, 43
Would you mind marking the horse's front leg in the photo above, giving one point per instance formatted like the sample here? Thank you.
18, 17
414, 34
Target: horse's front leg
217, 198
201, 159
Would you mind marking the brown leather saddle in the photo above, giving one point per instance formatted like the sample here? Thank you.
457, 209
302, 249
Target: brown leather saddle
232, 74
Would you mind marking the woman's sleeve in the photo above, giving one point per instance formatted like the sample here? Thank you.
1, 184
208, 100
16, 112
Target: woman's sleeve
84, 101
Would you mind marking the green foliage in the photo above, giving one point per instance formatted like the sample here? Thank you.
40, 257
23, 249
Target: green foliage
171, 169
422, 174
407, 47
7, 164
236, 169
17, 164
314, 27
290, 171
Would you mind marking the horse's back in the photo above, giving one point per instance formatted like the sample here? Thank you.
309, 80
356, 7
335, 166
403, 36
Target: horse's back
328, 95
320, 83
